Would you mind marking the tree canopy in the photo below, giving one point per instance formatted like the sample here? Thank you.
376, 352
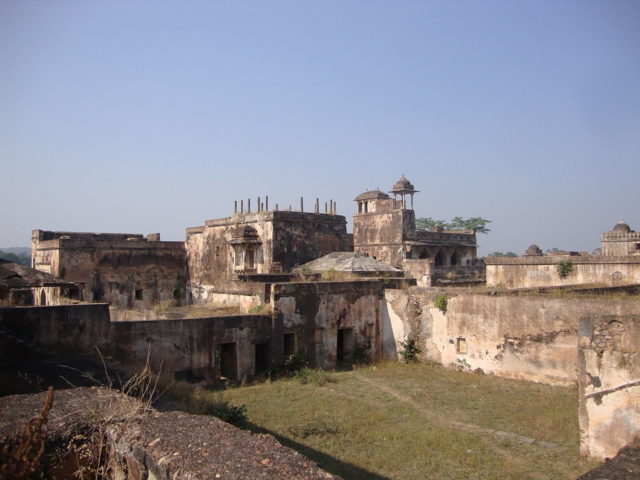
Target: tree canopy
477, 224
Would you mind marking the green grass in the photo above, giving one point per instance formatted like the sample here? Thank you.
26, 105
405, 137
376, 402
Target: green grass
402, 421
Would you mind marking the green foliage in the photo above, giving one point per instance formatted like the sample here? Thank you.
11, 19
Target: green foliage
410, 350
361, 355
22, 259
461, 365
500, 254
233, 414
315, 427
441, 303
428, 223
477, 224
313, 376
564, 269
294, 363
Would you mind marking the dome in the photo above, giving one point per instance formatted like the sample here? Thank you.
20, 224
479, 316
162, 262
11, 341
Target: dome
533, 251
621, 227
403, 186
371, 195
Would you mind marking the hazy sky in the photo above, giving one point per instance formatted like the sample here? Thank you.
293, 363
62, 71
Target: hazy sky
154, 116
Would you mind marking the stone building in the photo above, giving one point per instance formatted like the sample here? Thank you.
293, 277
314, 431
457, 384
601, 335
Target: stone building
385, 228
24, 286
257, 243
620, 241
126, 270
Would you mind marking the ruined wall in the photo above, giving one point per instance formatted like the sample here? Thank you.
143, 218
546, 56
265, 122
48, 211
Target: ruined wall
609, 383
53, 331
316, 313
128, 271
191, 349
529, 272
421, 270
526, 337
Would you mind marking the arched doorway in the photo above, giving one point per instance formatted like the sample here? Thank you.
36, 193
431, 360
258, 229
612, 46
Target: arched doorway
43, 298
424, 254
439, 260
455, 260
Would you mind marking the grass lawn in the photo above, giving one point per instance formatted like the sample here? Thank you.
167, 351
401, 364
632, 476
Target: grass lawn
418, 421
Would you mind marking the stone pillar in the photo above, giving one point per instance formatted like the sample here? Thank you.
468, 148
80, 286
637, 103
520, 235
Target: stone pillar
241, 206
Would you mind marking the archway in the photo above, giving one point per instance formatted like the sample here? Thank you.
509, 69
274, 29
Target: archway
43, 298
455, 260
439, 260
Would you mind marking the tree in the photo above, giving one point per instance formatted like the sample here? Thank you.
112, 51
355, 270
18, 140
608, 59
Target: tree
428, 223
500, 254
477, 224
12, 257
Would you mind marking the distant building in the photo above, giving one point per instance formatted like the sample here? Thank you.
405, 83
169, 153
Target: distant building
385, 228
257, 243
24, 286
123, 269
620, 241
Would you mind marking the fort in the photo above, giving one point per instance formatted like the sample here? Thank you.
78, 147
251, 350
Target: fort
301, 285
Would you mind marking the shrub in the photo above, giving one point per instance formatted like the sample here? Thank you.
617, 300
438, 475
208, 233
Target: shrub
361, 355
410, 350
314, 427
441, 303
564, 269
294, 363
315, 377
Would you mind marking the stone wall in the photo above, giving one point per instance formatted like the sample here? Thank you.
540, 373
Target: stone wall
530, 272
53, 331
190, 349
193, 349
331, 321
609, 382
525, 337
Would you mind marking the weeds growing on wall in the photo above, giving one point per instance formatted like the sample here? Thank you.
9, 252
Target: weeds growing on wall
564, 269
441, 302
410, 350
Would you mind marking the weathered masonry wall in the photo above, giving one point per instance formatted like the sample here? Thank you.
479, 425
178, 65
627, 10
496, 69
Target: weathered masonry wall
53, 331
194, 349
531, 338
530, 272
186, 349
609, 383
125, 270
330, 322
257, 243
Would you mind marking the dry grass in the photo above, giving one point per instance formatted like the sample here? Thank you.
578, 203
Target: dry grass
419, 421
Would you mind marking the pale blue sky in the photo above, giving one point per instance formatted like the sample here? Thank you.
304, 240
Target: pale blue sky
154, 116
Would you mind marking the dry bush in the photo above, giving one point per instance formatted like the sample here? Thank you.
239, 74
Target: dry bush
22, 458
